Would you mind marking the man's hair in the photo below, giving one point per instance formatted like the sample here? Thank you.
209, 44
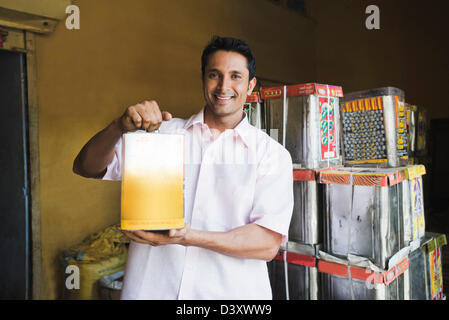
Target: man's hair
229, 44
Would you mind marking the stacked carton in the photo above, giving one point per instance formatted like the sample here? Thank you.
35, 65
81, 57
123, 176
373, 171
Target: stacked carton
304, 118
357, 232
374, 207
365, 222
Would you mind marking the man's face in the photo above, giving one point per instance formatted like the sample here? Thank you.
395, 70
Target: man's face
226, 83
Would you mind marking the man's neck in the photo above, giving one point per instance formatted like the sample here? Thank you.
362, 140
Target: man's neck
220, 124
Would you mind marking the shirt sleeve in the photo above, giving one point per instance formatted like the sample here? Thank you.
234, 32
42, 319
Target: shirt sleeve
114, 169
273, 197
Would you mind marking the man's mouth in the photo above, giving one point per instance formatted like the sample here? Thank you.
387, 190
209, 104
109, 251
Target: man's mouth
223, 98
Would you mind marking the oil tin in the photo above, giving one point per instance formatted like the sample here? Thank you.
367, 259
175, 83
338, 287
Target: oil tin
363, 212
419, 275
426, 274
342, 281
152, 193
293, 273
306, 223
305, 119
340, 288
375, 128
254, 111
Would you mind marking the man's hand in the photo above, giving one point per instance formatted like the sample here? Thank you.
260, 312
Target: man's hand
145, 115
248, 241
172, 236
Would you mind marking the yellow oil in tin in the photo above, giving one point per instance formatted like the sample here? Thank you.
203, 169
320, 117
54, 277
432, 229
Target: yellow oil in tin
152, 182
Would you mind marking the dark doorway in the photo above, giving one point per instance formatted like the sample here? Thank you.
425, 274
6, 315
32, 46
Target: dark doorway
14, 174
440, 169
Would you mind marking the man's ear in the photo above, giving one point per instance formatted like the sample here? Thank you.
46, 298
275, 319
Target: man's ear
251, 85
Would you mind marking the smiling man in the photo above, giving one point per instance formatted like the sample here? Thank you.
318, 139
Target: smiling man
237, 208
226, 82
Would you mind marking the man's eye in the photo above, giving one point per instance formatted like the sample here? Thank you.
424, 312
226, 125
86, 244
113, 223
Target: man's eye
236, 76
213, 75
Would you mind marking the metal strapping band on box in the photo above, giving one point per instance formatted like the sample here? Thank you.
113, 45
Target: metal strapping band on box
293, 272
296, 258
362, 177
301, 174
364, 274
306, 120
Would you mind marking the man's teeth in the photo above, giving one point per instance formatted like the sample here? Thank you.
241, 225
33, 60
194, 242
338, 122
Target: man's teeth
224, 98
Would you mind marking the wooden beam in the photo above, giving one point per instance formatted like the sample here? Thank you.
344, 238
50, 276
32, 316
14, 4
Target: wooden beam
33, 131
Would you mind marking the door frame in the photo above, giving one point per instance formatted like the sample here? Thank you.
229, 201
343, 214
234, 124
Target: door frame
23, 41
33, 138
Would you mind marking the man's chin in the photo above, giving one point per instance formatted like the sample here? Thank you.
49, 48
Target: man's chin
222, 110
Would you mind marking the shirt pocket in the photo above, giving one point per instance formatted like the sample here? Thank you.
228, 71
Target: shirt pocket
234, 192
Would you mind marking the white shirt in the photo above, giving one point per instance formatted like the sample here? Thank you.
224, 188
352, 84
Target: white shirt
242, 177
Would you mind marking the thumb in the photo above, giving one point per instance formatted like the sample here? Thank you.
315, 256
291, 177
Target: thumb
172, 233
166, 115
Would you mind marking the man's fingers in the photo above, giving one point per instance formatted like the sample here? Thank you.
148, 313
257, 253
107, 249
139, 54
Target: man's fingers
156, 238
145, 115
178, 233
133, 237
133, 116
147, 119
151, 236
166, 115
136, 238
137, 122
156, 119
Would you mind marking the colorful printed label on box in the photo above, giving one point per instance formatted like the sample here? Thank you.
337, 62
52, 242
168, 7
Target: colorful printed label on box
363, 130
417, 207
401, 127
436, 276
328, 138
246, 107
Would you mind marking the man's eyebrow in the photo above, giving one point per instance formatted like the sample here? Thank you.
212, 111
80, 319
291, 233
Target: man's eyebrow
216, 70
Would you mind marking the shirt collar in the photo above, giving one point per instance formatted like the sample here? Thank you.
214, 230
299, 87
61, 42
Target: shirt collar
242, 128
195, 119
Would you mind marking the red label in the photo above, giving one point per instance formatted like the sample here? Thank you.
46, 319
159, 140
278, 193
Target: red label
302, 90
253, 97
296, 258
303, 175
328, 137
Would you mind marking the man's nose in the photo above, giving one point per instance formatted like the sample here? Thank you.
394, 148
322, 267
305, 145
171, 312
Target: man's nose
224, 83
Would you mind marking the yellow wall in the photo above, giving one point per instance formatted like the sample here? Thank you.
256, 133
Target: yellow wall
125, 52
409, 51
